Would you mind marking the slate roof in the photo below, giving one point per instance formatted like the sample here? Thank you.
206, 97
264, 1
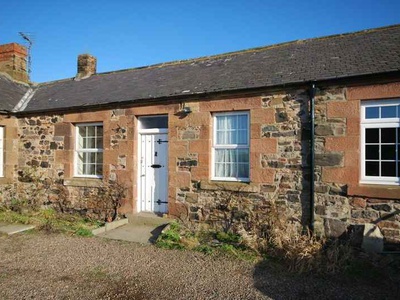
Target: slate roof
373, 51
10, 93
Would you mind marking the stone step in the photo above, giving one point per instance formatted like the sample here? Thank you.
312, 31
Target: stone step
148, 219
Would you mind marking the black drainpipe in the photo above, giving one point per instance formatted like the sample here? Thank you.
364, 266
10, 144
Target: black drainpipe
312, 156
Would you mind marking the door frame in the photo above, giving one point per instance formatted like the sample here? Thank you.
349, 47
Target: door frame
139, 151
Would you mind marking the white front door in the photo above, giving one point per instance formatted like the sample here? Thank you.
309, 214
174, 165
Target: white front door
153, 165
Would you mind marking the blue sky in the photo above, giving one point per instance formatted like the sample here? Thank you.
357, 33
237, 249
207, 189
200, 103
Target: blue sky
127, 34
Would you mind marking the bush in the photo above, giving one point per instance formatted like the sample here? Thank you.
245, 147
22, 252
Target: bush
266, 228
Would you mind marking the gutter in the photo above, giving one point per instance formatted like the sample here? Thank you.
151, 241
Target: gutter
312, 157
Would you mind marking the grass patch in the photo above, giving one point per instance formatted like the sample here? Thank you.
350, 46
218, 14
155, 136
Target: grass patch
176, 236
49, 220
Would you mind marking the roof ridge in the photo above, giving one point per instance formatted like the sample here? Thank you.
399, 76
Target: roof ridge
232, 53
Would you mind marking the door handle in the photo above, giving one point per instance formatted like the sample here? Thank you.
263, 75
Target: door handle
156, 166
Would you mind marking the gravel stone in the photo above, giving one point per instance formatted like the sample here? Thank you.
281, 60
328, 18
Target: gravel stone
55, 266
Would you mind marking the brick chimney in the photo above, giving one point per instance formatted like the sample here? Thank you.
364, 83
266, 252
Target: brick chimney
86, 66
13, 61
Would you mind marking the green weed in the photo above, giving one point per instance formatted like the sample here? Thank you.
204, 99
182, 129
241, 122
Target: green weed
50, 221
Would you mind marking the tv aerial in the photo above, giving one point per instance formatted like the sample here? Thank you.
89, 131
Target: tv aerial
29, 40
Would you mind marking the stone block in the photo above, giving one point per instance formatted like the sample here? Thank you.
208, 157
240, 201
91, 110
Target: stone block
334, 227
267, 188
372, 239
389, 224
321, 188
192, 197
343, 109
255, 131
281, 115
320, 210
358, 202
267, 130
263, 146
391, 235
329, 159
262, 116
382, 207
324, 130
364, 214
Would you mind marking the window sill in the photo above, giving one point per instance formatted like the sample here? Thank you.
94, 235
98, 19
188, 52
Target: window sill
375, 191
83, 182
235, 186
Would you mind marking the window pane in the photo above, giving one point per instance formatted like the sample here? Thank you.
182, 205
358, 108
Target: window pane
99, 170
221, 138
225, 155
388, 152
243, 171
99, 143
232, 130
231, 122
372, 135
231, 137
372, 168
243, 155
242, 137
221, 123
82, 131
398, 154
91, 131
388, 135
90, 143
85, 158
389, 169
99, 158
398, 135
90, 169
154, 122
242, 122
372, 112
227, 164
91, 158
372, 152
388, 111
99, 131
219, 170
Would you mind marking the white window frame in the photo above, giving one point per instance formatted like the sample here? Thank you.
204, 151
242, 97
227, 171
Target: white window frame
2, 131
92, 150
377, 123
229, 146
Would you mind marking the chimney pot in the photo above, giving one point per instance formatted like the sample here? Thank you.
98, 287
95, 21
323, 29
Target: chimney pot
13, 60
86, 66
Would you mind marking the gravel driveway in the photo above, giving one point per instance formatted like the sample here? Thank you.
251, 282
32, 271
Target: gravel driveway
39, 266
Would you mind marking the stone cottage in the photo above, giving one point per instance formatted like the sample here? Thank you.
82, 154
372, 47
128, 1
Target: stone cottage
314, 124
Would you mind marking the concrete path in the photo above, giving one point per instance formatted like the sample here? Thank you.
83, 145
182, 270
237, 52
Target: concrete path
11, 229
142, 228
143, 234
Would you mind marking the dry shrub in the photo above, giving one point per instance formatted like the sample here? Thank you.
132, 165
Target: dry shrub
269, 227
300, 249
109, 198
